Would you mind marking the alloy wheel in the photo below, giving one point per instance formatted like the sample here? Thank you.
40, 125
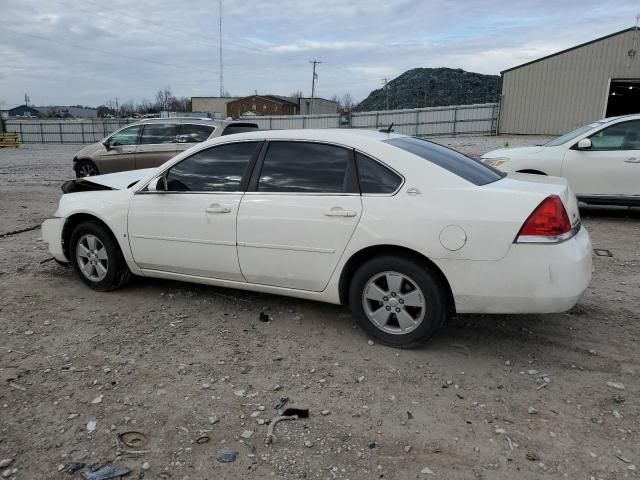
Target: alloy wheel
92, 257
87, 170
394, 303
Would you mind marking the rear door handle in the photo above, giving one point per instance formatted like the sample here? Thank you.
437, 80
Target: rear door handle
340, 212
632, 160
217, 208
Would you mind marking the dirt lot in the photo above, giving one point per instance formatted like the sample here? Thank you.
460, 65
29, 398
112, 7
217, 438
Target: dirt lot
192, 368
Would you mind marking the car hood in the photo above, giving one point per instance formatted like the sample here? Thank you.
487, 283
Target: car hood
110, 181
88, 150
513, 152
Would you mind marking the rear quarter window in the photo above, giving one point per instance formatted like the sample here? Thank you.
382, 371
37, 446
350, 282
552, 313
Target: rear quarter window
471, 170
374, 177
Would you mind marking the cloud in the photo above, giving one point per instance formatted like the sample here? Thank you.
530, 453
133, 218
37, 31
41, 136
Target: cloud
88, 51
309, 45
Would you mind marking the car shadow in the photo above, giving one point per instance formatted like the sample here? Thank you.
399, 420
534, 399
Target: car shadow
609, 212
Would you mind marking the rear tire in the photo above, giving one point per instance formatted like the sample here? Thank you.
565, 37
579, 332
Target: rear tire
86, 168
397, 301
96, 257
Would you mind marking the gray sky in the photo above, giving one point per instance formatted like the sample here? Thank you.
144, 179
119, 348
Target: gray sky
89, 51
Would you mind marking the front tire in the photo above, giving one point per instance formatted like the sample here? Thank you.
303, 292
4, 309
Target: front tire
96, 257
397, 301
86, 168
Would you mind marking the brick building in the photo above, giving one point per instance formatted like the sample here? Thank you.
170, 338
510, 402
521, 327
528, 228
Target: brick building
261, 105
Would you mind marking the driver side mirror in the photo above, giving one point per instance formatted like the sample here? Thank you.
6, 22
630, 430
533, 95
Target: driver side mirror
107, 144
158, 185
584, 144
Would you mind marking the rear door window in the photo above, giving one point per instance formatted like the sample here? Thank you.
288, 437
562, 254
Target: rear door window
374, 177
191, 133
156, 133
305, 167
471, 170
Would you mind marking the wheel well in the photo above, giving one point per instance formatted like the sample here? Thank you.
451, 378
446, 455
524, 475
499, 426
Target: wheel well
72, 222
533, 172
366, 254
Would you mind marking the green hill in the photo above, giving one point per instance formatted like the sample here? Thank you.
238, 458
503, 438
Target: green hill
433, 87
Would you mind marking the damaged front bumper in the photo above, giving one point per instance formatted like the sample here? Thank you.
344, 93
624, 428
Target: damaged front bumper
52, 235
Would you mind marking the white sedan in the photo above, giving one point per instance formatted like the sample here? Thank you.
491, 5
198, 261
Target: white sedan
404, 231
601, 160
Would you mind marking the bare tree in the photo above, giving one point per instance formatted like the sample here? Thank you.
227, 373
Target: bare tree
163, 97
127, 109
145, 106
348, 101
112, 105
296, 95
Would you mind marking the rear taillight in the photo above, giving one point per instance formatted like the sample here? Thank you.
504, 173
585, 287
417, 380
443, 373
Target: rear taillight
549, 223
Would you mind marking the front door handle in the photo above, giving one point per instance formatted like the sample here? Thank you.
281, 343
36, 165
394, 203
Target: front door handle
217, 208
340, 212
632, 160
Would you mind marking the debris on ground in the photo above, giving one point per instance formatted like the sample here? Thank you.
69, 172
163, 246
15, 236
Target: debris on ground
533, 457
281, 418
616, 385
226, 456
105, 472
281, 403
264, 317
72, 468
133, 439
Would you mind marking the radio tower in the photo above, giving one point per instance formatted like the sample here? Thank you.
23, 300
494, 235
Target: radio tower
220, 43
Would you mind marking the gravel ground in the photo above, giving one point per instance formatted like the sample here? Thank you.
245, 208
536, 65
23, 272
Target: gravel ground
192, 368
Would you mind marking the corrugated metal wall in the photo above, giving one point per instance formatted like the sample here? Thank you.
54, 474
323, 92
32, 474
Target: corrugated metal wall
456, 120
56, 131
568, 90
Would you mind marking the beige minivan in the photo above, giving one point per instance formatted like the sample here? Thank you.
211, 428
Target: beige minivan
150, 143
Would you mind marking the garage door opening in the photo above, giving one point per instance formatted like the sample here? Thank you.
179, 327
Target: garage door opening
624, 98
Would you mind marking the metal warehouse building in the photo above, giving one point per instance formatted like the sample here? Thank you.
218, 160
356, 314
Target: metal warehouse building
560, 92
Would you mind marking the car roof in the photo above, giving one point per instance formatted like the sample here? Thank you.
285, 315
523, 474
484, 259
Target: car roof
631, 116
319, 134
197, 120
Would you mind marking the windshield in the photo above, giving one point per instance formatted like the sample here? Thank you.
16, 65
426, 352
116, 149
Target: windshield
572, 134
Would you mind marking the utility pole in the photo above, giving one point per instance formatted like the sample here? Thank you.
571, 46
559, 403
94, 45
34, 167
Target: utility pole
385, 81
220, 43
313, 84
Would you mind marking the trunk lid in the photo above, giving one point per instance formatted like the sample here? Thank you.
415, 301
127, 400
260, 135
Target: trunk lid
545, 186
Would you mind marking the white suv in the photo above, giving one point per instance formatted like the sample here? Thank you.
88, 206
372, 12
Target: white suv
601, 160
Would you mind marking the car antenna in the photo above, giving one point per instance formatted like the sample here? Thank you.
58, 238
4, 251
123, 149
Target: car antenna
389, 129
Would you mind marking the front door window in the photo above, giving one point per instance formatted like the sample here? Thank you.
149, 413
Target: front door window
127, 136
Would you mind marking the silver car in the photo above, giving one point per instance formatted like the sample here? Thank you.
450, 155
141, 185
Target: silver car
150, 143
